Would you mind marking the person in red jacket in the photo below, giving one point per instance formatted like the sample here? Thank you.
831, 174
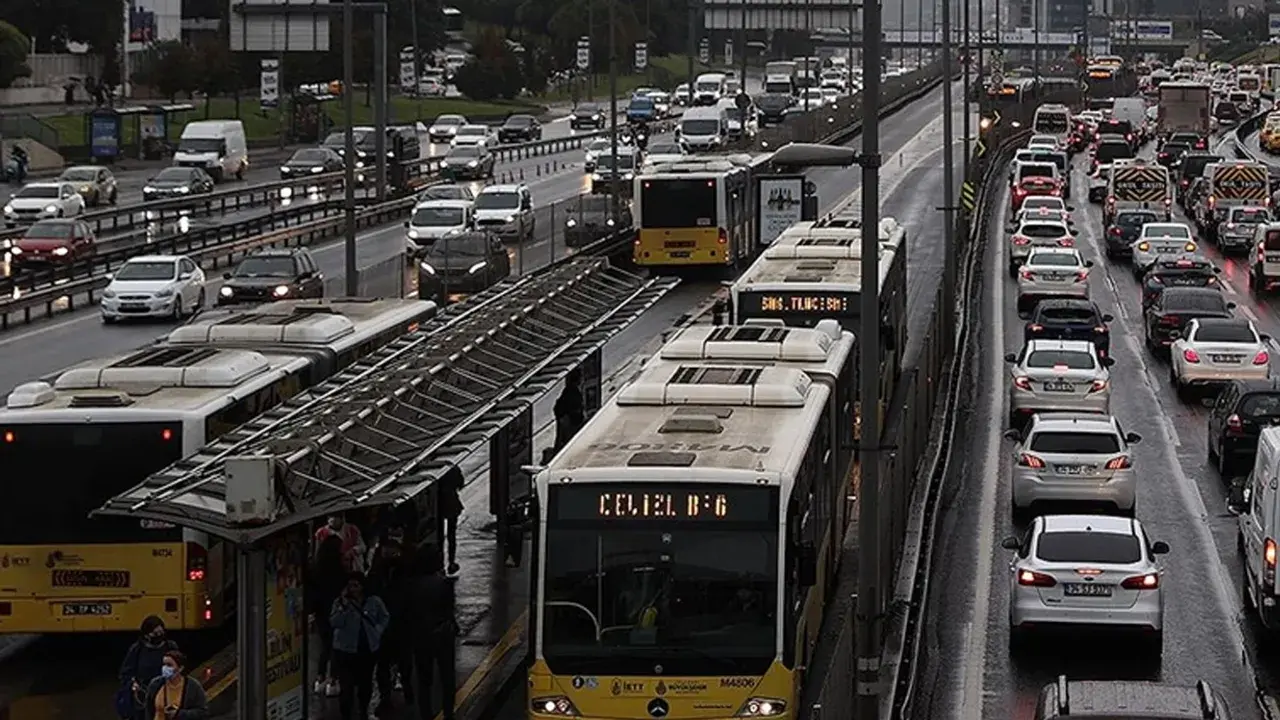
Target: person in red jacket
353, 547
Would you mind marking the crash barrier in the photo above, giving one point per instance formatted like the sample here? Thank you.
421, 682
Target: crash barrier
1250, 127
410, 173
919, 423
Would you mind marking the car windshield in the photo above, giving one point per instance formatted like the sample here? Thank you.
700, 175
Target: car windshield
1104, 172
437, 217
700, 127
1073, 359
46, 230
1250, 215
1136, 219
1225, 333
1068, 315
265, 266
1089, 547
1074, 442
446, 192
1037, 170
463, 244
1111, 151
1261, 404
642, 103
1193, 165
586, 109
173, 174
1172, 148
80, 174
445, 120
339, 139
519, 121
38, 191
201, 145
1035, 203
465, 151
1054, 260
599, 146
591, 204
1043, 231
1177, 232
497, 201
476, 130
148, 270
310, 155
665, 149
623, 162
709, 85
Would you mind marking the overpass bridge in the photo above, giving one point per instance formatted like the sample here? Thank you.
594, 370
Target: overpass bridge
1020, 39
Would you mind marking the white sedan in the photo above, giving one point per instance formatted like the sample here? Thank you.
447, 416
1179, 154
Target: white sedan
1160, 238
664, 152
474, 135
1086, 571
1209, 352
169, 286
446, 127
1052, 272
41, 200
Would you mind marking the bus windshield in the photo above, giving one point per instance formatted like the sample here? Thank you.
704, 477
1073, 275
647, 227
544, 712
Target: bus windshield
690, 594
679, 204
87, 464
1051, 123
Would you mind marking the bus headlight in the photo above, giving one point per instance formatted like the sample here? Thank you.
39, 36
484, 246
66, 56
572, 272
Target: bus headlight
556, 705
761, 707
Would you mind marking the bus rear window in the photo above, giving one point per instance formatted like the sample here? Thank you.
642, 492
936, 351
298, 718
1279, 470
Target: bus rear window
678, 204
1272, 242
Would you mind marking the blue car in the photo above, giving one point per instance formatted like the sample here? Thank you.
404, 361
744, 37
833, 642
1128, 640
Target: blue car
642, 109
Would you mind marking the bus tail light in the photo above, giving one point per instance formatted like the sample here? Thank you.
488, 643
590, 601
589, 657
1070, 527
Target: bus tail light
208, 610
197, 562
762, 707
724, 237
1235, 427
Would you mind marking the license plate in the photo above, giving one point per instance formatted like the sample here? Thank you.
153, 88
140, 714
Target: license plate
1072, 469
679, 254
679, 243
1182, 281
1225, 358
1273, 258
1054, 276
1059, 387
1086, 590
86, 609
133, 306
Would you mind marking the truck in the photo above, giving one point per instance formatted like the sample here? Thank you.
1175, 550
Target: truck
1236, 183
779, 69
1138, 185
1183, 107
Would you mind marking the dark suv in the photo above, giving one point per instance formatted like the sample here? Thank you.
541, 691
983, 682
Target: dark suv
1242, 410
520, 129
274, 274
1186, 270
1175, 307
1131, 700
461, 264
1070, 319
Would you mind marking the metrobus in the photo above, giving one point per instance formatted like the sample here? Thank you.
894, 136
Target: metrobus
813, 272
687, 537
697, 214
102, 427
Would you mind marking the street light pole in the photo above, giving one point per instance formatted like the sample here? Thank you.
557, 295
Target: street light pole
615, 171
948, 162
869, 610
349, 145
968, 85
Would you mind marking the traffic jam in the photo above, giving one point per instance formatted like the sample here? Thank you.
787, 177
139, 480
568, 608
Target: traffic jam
1135, 231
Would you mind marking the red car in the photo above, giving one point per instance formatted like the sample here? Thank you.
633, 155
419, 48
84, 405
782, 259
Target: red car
1034, 186
52, 242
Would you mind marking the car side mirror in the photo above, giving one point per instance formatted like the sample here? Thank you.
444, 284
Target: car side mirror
1074, 231
1071, 208
185, 276
110, 276
1013, 435
406, 224
226, 276
1088, 263
1011, 543
807, 566
1159, 547
1108, 318
1239, 496
1011, 357
1133, 438
1231, 306
1108, 362
1264, 337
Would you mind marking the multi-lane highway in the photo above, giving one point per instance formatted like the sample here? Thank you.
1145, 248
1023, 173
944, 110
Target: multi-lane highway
1181, 500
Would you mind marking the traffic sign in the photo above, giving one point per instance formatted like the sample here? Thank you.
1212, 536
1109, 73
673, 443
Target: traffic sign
967, 195
981, 147
642, 55
728, 52
995, 117
704, 51
584, 53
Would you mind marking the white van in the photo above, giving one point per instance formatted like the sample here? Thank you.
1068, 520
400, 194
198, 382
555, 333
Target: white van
708, 89
703, 129
1256, 500
1134, 111
216, 146
433, 219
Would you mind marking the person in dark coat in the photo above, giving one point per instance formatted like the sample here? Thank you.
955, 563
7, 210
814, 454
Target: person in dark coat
143, 660
326, 582
175, 695
451, 510
434, 632
569, 410
389, 579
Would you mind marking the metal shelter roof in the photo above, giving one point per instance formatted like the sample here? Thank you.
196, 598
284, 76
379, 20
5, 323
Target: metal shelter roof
385, 428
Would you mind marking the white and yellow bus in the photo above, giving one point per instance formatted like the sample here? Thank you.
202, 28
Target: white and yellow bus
687, 535
74, 439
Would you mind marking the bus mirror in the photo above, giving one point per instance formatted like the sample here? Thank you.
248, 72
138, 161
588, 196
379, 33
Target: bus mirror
807, 566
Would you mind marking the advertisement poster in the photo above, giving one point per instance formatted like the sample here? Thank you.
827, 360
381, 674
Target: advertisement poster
104, 135
269, 84
781, 205
286, 626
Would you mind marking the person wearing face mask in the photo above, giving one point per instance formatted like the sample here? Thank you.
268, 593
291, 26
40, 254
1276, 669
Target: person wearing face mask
359, 622
174, 695
353, 547
141, 664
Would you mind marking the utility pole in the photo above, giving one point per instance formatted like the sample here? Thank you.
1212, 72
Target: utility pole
1035, 25
349, 144
853, 4
693, 43
902, 33
968, 86
948, 163
616, 172
380, 102
124, 57
869, 607
742, 52
417, 57
591, 66
982, 62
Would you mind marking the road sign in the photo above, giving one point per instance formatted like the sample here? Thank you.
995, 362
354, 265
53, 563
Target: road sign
584, 53
408, 73
642, 55
269, 83
704, 51
981, 147
995, 117
728, 52
967, 195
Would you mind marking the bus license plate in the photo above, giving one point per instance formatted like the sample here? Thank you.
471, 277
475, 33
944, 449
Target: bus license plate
1086, 590
679, 254
86, 609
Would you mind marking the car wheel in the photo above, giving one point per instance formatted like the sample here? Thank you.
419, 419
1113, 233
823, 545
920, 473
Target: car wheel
200, 300
108, 320
1154, 647
178, 310
114, 195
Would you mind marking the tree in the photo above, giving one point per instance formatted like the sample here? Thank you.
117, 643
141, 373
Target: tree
14, 49
54, 23
170, 67
215, 67
478, 80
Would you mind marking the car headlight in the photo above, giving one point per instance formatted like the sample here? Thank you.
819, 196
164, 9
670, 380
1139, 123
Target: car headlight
280, 291
167, 292
8, 210
476, 268
610, 222
51, 208
571, 223
359, 164
108, 294
473, 163
317, 170
15, 250
427, 268
85, 189
762, 707
414, 234
444, 163
226, 291
628, 176
597, 177
148, 189
183, 190
510, 219
285, 169
60, 251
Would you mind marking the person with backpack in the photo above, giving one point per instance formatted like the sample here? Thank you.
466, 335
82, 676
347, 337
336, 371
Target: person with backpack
142, 663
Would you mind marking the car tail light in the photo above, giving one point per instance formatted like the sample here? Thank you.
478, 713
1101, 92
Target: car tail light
1035, 327
1189, 247
1027, 274
1116, 232
1022, 383
1100, 329
1124, 462
1030, 461
1067, 242
197, 562
1098, 386
1173, 320
1031, 578
1019, 192
1235, 426
1144, 246
1262, 358
1269, 565
1021, 240
1082, 275
1191, 356
1150, 581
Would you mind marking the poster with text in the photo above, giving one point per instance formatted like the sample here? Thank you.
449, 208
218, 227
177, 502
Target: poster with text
286, 625
781, 205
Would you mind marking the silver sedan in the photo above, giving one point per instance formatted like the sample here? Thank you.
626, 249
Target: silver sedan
1073, 457
1058, 376
1052, 272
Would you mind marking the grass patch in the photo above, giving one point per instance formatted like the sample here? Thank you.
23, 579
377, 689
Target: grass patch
664, 72
1263, 54
262, 126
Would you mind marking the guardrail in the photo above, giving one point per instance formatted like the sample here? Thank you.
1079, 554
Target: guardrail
414, 173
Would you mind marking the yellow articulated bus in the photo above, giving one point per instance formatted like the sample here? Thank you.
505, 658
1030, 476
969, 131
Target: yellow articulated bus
687, 536
100, 428
699, 213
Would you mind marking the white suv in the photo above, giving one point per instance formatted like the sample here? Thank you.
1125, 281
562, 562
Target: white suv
41, 200
1073, 457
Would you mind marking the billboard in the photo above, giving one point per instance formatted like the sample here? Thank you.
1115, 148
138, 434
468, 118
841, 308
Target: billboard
1274, 24
1143, 29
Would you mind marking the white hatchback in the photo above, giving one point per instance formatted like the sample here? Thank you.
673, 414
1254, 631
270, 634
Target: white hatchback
154, 286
